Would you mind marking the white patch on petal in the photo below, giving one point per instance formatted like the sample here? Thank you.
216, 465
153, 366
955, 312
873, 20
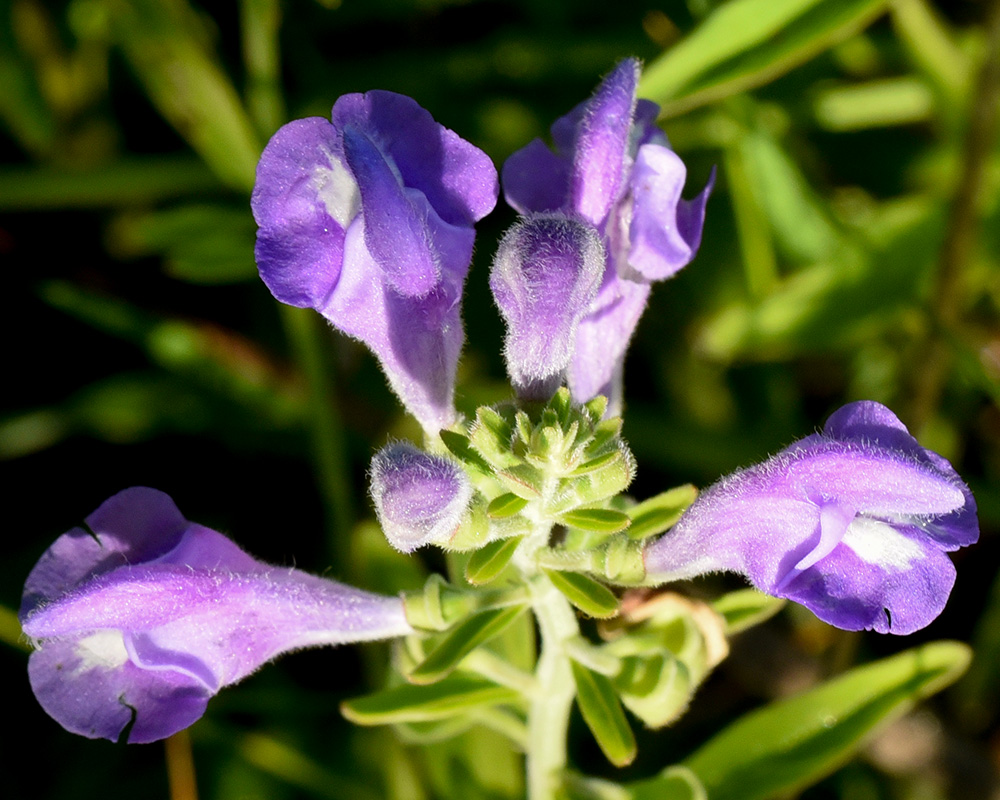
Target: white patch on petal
880, 544
104, 650
338, 190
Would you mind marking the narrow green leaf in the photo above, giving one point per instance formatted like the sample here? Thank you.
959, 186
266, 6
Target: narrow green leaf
746, 43
23, 106
596, 463
790, 744
604, 432
745, 608
523, 480
489, 561
462, 640
659, 513
800, 220
127, 182
598, 520
760, 265
674, 783
591, 597
493, 421
492, 435
166, 45
506, 505
408, 703
460, 447
604, 715
876, 104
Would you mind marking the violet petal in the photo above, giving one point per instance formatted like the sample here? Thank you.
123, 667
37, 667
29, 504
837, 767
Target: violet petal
853, 523
149, 638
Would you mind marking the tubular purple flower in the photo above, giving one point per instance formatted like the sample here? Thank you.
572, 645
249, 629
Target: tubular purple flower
140, 618
419, 498
546, 273
368, 218
853, 523
613, 168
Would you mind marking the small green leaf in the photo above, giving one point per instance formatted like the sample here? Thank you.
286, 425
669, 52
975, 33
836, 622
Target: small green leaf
655, 687
604, 432
460, 447
489, 561
790, 744
598, 520
597, 463
447, 698
491, 435
462, 640
523, 480
745, 608
561, 405
659, 513
506, 505
591, 597
595, 408
604, 715
494, 422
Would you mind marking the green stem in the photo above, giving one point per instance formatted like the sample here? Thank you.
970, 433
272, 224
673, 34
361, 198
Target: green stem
548, 716
935, 358
260, 22
304, 332
500, 671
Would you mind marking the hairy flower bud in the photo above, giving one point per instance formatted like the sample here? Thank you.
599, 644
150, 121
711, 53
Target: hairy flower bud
546, 273
419, 498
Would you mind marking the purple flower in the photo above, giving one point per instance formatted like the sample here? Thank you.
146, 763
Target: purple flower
419, 498
545, 275
139, 618
613, 168
368, 219
852, 523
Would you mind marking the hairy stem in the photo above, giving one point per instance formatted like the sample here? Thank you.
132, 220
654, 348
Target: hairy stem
548, 717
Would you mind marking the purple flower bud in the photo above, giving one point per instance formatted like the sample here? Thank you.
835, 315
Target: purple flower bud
546, 273
614, 168
419, 498
852, 523
368, 219
143, 616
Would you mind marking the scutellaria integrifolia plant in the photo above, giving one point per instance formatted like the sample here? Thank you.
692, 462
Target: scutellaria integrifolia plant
139, 618
368, 218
